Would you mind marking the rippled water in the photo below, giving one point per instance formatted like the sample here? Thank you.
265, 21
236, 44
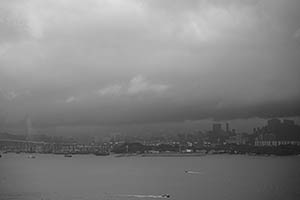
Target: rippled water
232, 177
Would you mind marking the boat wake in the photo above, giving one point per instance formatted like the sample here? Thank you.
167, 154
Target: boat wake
193, 172
163, 196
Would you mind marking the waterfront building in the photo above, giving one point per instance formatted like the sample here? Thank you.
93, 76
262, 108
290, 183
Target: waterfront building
275, 143
278, 133
217, 128
227, 128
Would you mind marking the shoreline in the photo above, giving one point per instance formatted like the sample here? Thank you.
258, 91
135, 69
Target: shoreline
169, 154
173, 154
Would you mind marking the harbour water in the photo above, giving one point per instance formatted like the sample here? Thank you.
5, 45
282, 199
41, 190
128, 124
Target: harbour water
89, 177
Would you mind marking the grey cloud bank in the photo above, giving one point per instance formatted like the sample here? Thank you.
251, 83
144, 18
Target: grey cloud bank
113, 62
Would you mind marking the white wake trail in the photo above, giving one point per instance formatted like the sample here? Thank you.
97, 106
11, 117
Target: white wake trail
163, 196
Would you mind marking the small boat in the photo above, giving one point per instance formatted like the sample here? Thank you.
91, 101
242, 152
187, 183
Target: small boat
192, 172
146, 196
68, 155
165, 196
31, 156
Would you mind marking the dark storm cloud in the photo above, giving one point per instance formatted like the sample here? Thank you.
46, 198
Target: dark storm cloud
113, 61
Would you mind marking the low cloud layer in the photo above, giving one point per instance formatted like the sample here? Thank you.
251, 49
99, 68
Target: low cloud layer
137, 85
91, 62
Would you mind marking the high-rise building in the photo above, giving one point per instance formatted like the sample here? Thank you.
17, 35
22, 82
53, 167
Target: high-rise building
217, 128
28, 128
233, 131
288, 122
227, 127
273, 124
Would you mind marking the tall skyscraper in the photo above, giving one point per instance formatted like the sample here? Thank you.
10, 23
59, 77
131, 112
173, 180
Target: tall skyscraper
288, 122
217, 128
274, 124
28, 128
227, 128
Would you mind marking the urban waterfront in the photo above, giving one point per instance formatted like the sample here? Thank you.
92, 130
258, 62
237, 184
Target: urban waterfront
278, 137
151, 99
88, 177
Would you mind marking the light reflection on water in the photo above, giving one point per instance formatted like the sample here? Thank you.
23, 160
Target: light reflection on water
234, 177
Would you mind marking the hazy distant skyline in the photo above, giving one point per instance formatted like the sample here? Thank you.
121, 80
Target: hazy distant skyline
112, 62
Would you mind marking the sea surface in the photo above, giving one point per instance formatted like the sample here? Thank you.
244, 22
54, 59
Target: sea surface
212, 177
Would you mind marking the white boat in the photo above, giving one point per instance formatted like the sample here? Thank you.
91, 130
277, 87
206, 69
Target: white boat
31, 156
192, 172
165, 196
146, 196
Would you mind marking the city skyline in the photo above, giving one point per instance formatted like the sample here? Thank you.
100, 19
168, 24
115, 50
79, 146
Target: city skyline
276, 137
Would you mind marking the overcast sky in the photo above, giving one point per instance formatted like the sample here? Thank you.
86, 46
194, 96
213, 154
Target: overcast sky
94, 62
